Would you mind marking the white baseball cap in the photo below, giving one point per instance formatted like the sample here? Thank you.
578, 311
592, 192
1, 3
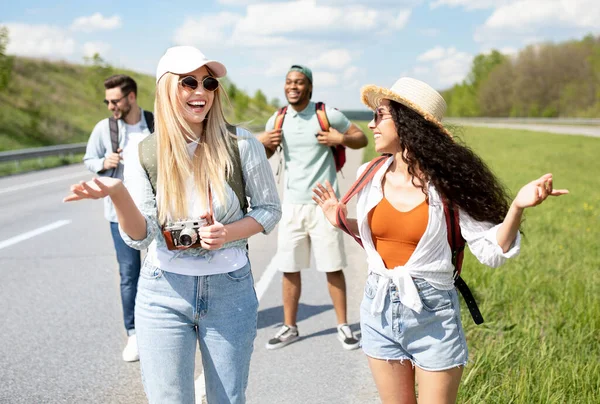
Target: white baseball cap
186, 59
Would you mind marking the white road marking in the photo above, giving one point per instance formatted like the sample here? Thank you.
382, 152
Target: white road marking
33, 233
43, 182
261, 287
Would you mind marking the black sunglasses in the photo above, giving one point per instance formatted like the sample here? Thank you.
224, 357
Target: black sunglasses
209, 83
115, 102
378, 116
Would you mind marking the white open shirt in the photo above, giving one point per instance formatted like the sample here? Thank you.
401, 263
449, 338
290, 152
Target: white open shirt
432, 258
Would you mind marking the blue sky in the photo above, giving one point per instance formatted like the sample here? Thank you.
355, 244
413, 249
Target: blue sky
347, 43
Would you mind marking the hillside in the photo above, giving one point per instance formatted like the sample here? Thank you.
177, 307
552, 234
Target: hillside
50, 103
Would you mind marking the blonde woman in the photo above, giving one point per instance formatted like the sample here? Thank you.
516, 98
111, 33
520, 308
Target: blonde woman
183, 204
410, 315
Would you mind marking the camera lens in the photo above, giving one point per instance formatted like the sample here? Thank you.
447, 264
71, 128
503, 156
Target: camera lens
187, 237
185, 240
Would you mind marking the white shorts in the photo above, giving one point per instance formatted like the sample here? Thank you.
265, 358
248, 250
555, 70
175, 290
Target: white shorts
302, 226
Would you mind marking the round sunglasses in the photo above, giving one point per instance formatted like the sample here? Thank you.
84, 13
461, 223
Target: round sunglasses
209, 83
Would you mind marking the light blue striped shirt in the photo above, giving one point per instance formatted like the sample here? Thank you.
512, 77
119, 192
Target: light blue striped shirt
265, 208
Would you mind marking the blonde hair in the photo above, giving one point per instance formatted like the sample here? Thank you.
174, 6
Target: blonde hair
210, 163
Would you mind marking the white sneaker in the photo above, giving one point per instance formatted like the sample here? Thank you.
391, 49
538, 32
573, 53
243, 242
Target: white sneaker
286, 335
130, 353
347, 338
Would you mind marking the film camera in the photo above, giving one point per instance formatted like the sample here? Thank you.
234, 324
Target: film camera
183, 235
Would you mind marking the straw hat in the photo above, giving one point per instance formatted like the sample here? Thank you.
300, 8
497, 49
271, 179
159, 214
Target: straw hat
412, 93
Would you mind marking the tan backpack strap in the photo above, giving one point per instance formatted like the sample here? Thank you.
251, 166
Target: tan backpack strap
235, 179
147, 152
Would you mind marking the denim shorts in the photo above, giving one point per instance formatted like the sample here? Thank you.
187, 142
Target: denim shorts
432, 340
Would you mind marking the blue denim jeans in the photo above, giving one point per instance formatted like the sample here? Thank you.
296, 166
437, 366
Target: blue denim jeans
174, 311
129, 268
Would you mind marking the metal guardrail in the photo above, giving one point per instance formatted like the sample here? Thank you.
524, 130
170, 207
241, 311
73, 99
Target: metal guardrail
38, 152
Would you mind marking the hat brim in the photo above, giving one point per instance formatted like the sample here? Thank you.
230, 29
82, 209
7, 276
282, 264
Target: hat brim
371, 95
217, 68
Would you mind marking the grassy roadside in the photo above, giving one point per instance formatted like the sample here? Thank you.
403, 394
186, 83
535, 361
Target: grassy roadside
540, 342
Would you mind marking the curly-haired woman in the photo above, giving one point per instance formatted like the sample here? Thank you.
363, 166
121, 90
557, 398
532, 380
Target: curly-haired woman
410, 318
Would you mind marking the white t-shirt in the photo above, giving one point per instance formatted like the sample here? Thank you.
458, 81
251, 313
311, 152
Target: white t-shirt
132, 139
221, 261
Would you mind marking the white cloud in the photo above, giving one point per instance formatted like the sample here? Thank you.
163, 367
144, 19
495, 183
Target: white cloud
471, 4
350, 72
208, 31
401, 19
421, 70
433, 54
302, 16
446, 66
39, 41
96, 22
99, 47
375, 3
325, 79
526, 18
333, 59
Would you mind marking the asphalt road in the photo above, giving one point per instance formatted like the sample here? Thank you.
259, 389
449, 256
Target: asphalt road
62, 333
584, 130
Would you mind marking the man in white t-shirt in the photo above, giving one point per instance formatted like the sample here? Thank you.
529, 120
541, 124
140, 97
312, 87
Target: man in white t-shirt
108, 148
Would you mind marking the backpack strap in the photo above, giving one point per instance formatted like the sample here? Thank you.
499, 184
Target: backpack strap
338, 151
457, 246
236, 178
280, 117
114, 133
322, 116
366, 176
147, 152
149, 117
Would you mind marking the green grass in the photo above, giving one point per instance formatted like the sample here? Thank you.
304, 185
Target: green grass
540, 342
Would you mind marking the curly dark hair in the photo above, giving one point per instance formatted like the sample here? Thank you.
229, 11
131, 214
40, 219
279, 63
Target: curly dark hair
457, 173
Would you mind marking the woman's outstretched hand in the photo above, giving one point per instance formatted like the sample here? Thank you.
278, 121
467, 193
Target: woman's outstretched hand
536, 192
97, 188
325, 197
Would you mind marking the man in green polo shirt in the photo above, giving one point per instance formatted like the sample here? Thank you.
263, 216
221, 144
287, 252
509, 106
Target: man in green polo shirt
308, 160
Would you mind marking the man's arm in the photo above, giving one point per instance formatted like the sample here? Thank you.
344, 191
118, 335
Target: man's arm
95, 151
270, 139
354, 138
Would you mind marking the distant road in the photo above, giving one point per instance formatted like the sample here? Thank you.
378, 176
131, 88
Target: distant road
559, 128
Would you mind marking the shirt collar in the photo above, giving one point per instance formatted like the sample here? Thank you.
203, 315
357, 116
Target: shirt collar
310, 107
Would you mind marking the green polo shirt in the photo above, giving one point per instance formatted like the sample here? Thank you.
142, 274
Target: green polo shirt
306, 161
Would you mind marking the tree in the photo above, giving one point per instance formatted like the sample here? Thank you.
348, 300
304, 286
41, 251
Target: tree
6, 62
482, 67
260, 99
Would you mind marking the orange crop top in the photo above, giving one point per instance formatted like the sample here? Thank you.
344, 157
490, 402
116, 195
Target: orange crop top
396, 234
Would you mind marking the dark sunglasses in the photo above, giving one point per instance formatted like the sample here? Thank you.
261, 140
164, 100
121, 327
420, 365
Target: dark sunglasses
115, 102
378, 116
209, 83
